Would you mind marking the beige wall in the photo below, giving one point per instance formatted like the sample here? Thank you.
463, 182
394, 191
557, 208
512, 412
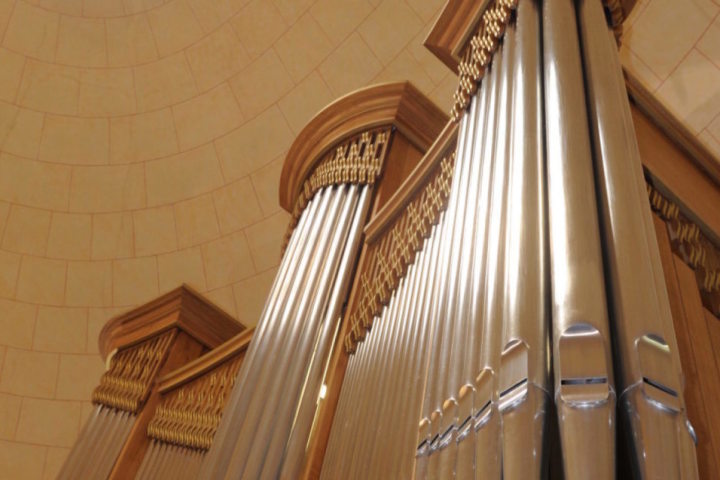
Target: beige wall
140, 147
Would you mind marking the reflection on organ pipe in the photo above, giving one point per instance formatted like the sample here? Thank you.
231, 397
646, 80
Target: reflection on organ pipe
648, 373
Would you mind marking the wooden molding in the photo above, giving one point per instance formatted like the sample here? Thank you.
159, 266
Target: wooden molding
678, 133
182, 308
453, 29
398, 104
201, 365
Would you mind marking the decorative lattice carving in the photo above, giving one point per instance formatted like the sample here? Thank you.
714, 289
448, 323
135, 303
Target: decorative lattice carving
189, 415
479, 53
391, 255
126, 384
358, 160
692, 246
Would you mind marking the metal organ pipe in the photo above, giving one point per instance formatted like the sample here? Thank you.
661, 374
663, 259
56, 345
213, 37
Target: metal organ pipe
649, 377
283, 397
524, 372
305, 414
305, 233
584, 387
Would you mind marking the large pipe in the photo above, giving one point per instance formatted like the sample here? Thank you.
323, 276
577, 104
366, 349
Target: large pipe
319, 326
584, 388
265, 391
648, 373
524, 368
270, 442
294, 262
378, 382
465, 463
298, 438
426, 438
444, 406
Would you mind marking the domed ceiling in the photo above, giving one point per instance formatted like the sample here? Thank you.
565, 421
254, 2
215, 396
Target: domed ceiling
141, 143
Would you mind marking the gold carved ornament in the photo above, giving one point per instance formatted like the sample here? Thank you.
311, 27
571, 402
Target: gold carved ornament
481, 48
690, 244
390, 256
479, 52
126, 384
189, 415
358, 160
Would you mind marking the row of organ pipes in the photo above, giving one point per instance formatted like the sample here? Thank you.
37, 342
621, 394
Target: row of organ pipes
527, 334
546, 209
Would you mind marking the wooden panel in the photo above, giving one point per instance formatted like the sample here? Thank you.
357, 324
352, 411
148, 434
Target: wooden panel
708, 376
693, 395
184, 349
401, 160
677, 172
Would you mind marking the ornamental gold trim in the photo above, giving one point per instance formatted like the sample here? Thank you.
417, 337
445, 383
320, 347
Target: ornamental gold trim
479, 53
126, 384
390, 256
358, 160
189, 415
695, 249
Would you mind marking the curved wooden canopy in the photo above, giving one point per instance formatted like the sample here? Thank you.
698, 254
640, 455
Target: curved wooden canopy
399, 104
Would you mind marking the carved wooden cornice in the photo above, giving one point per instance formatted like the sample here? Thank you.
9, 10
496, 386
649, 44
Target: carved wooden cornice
181, 308
358, 160
692, 246
126, 384
194, 396
396, 234
399, 105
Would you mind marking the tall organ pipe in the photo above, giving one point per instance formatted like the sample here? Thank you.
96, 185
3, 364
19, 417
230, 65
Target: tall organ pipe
261, 392
284, 293
426, 434
412, 402
267, 451
487, 447
296, 443
385, 444
447, 446
524, 369
648, 373
584, 391
353, 454
474, 256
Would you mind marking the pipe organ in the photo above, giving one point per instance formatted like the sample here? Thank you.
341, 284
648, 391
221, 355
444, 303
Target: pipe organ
501, 294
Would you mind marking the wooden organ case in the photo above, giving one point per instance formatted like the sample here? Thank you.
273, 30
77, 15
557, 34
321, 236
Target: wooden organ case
529, 289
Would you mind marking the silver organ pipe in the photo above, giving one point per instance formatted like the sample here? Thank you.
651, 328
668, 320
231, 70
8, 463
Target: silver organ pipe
649, 379
584, 386
500, 312
535, 273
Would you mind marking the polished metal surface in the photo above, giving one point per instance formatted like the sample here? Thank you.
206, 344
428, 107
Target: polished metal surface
295, 449
278, 412
649, 379
292, 265
524, 370
584, 387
